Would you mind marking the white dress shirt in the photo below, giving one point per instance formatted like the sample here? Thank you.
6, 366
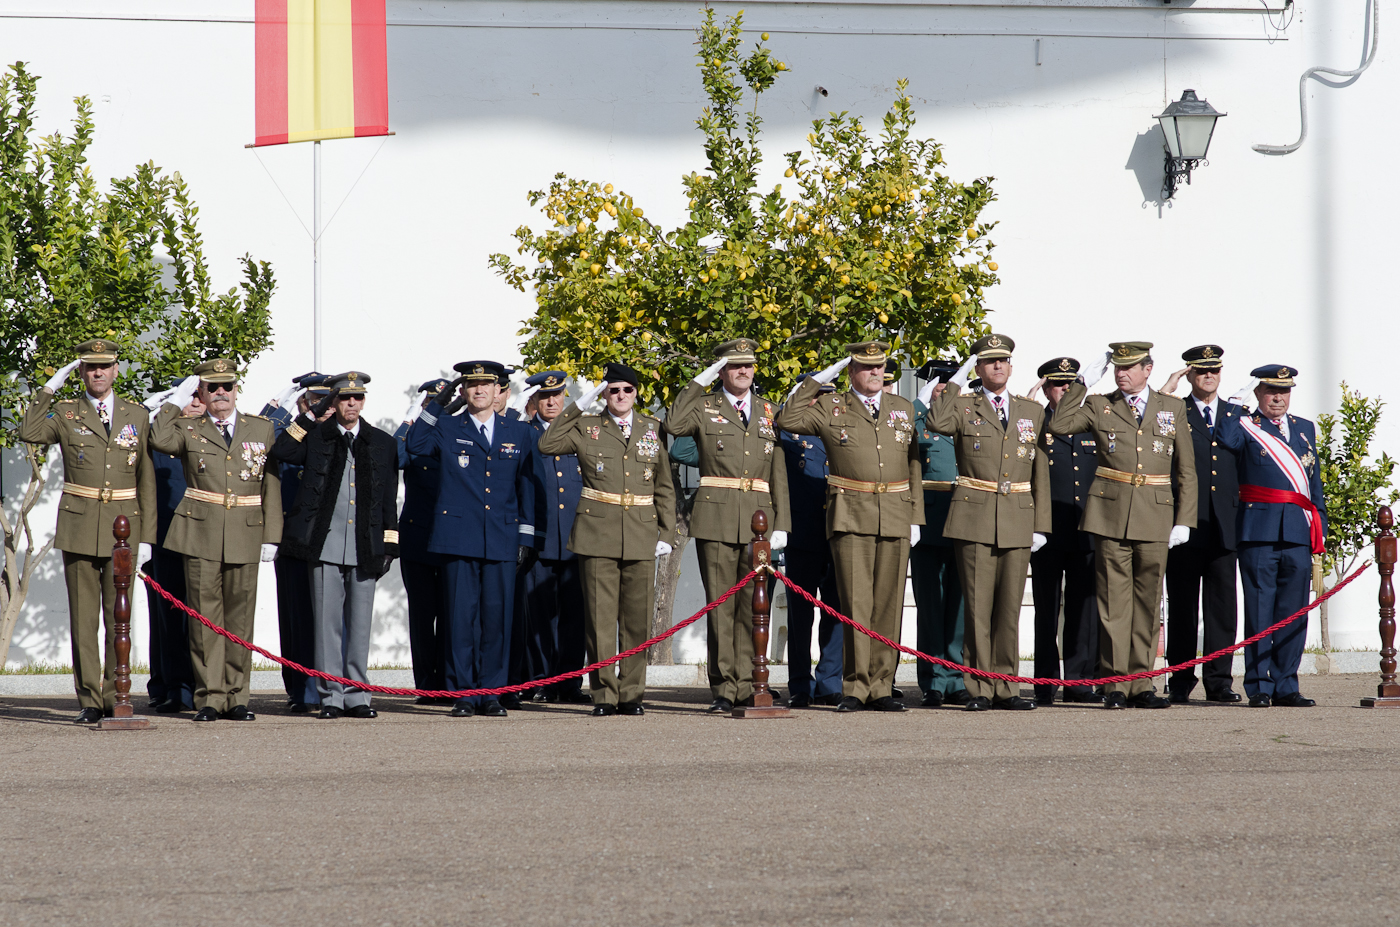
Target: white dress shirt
489, 425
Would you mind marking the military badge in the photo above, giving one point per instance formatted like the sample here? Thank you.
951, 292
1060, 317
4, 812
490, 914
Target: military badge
844, 437
1026, 430
768, 447
593, 432
1032, 453
131, 459
127, 437
599, 468
650, 445
255, 456
463, 460
68, 414
1166, 424
199, 468
646, 474
765, 427
1307, 460
1020, 450
1158, 447
1049, 439
82, 430
977, 445
719, 445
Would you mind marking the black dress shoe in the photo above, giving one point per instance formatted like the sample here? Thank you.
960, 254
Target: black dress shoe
297, 707
1083, 698
850, 703
511, 701
329, 713
630, 708
978, 703
492, 709
206, 714
575, 697
238, 713
720, 706
800, 701
831, 698
1224, 695
423, 700
1293, 700
960, 697
171, 706
463, 710
1260, 701
602, 710
885, 703
1179, 696
1015, 703
88, 716
1148, 699
1115, 700
1045, 699
932, 700
361, 711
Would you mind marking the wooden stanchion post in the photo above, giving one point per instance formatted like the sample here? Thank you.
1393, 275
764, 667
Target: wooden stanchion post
123, 716
761, 559
1388, 692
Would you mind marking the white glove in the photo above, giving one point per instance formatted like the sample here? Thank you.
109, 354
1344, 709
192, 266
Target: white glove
914, 535
662, 548
1038, 541
269, 553
1090, 378
518, 400
415, 407
184, 393
57, 379
154, 402
926, 394
1180, 534
832, 372
1242, 396
710, 373
143, 553
588, 401
281, 400
960, 378
779, 540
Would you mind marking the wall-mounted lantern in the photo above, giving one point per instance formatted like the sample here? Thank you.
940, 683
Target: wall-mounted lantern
1187, 126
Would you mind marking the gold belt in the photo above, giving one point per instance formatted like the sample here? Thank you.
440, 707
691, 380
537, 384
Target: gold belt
939, 485
1134, 479
227, 500
623, 499
840, 482
1005, 487
734, 482
102, 495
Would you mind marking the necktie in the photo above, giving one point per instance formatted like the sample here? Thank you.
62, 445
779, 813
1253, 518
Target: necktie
105, 416
224, 430
1206, 413
1000, 403
349, 441
485, 437
743, 412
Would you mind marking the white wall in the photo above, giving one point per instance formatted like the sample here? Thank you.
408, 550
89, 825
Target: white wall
1279, 259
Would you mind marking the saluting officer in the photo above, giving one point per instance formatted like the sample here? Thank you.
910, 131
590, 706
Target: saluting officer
998, 517
873, 509
482, 525
739, 473
229, 519
626, 519
1143, 440
106, 473
1066, 562
933, 570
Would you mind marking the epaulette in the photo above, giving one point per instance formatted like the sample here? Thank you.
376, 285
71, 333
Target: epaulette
258, 417
191, 414
68, 402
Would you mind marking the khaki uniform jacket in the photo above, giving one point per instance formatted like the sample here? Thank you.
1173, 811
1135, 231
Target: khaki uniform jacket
93, 459
1158, 446
996, 454
612, 464
861, 448
210, 530
728, 449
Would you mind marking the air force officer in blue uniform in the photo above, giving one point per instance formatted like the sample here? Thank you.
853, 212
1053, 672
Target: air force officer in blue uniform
482, 521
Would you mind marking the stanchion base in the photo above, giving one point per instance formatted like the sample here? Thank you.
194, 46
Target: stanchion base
1381, 701
126, 724
761, 711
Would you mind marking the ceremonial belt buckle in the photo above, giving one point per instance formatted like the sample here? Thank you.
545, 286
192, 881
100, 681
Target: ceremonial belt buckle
627, 499
745, 484
105, 495
230, 500
1004, 487
1139, 479
882, 487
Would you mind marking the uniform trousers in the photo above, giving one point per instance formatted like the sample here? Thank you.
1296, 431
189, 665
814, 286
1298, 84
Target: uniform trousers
729, 628
1201, 580
342, 598
619, 597
812, 570
480, 597
993, 583
549, 606
938, 602
296, 626
171, 673
1275, 577
423, 583
92, 597
870, 572
1128, 575
226, 594
1077, 645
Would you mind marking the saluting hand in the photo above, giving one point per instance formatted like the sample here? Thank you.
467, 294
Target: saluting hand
831, 373
57, 379
964, 372
320, 408
926, 393
710, 373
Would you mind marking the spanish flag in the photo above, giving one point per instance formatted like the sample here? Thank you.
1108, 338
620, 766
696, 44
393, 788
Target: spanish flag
322, 70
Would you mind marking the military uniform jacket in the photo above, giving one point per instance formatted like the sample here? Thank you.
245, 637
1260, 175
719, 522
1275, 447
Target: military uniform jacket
486, 495
997, 454
99, 462
879, 451
940, 465
614, 465
1218, 503
420, 492
559, 483
288, 473
1268, 522
805, 461
1071, 460
214, 530
729, 449
1159, 445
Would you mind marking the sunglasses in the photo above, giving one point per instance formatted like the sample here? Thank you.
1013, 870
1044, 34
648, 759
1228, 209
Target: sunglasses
219, 387
624, 390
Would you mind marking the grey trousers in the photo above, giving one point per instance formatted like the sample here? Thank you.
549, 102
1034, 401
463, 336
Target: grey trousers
342, 600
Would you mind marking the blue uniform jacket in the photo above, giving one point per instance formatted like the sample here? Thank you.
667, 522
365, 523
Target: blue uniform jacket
486, 495
1072, 461
170, 489
939, 459
805, 458
1274, 521
558, 487
420, 492
289, 474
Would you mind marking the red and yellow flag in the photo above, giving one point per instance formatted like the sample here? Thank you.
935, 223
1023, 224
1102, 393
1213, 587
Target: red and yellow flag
322, 70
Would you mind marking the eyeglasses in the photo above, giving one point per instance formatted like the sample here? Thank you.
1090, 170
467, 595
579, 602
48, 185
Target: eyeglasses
624, 390
219, 387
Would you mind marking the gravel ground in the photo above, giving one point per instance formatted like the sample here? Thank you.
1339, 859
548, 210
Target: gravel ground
1203, 814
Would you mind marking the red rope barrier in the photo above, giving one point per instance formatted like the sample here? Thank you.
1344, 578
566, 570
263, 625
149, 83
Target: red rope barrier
984, 674
433, 693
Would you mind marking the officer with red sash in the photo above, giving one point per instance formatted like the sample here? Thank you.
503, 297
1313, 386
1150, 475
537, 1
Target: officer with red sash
1282, 523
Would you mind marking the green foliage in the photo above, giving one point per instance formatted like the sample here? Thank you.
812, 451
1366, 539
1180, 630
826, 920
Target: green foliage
1353, 485
126, 265
875, 241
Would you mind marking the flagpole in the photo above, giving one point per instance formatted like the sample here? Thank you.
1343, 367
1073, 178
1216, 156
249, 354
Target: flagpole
316, 262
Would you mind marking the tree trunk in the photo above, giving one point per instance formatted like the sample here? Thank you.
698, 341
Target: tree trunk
668, 576
19, 570
1319, 584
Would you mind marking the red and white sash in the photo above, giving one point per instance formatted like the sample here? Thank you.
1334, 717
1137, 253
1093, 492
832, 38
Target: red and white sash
1292, 467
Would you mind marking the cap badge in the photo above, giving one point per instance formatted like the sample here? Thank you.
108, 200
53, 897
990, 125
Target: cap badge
551, 381
994, 342
99, 346
1283, 373
351, 376
871, 350
478, 369
1065, 364
220, 366
1207, 352
743, 345
1123, 350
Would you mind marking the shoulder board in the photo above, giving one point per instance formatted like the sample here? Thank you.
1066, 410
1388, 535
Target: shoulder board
68, 402
191, 414
260, 418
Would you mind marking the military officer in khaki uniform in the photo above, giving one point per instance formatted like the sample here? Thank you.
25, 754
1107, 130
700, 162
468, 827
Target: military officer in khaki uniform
229, 520
999, 514
1143, 439
106, 473
626, 518
741, 469
874, 509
